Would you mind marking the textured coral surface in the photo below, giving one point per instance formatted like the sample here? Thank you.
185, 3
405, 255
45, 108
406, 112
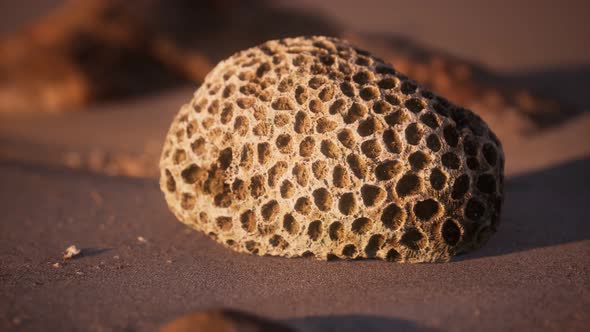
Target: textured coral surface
311, 147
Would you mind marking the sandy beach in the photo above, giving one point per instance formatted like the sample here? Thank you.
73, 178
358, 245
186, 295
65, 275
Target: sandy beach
63, 182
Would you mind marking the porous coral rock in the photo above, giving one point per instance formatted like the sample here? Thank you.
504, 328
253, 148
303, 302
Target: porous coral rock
311, 147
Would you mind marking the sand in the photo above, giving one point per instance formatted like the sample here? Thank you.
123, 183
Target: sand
533, 274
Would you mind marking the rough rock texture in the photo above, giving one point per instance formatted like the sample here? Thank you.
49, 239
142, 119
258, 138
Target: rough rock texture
311, 147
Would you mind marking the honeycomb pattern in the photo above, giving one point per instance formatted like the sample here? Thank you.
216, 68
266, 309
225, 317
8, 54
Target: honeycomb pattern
311, 147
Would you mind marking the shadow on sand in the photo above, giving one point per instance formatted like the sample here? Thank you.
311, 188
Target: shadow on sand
543, 208
367, 323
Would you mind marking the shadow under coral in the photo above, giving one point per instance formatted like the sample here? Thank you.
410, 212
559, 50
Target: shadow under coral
542, 208
355, 322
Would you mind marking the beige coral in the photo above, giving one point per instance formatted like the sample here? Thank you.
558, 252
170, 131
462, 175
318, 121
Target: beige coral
311, 147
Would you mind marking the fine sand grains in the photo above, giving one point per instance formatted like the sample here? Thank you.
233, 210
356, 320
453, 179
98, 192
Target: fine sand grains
311, 147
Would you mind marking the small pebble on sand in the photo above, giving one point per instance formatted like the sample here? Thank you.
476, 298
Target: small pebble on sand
71, 252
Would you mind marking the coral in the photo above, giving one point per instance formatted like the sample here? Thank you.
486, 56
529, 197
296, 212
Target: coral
312, 147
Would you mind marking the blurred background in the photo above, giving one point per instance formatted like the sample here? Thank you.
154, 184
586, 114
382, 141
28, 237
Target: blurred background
70, 71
